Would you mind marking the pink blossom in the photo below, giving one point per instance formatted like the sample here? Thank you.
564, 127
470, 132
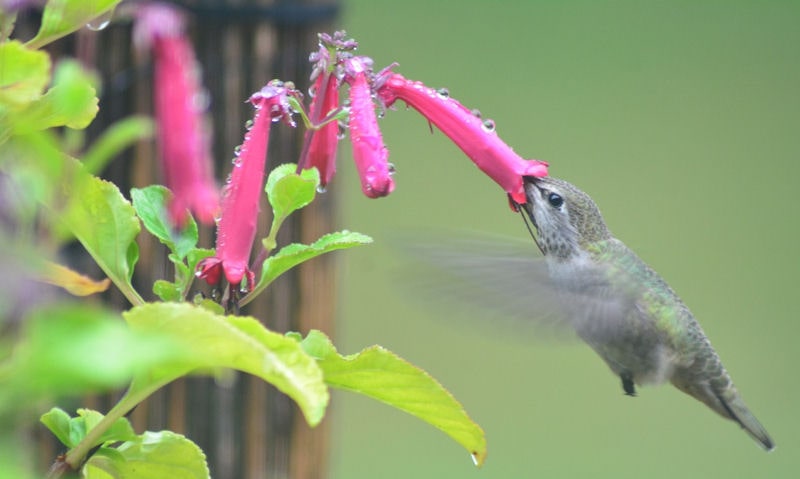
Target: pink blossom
240, 204
184, 146
475, 137
322, 143
369, 153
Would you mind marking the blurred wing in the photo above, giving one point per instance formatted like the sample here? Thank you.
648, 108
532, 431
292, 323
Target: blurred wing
490, 277
500, 278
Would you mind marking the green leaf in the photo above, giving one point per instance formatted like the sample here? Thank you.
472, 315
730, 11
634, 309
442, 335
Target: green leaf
70, 349
71, 430
150, 204
291, 255
116, 138
70, 101
211, 341
153, 455
380, 374
288, 191
107, 226
57, 421
167, 291
62, 17
24, 74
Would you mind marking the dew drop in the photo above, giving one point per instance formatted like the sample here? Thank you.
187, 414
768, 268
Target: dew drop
201, 100
312, 91
488, 126
474, 458
248, 124
237, 150
443, 93
476, 113
391, 168
341, 132
321, 189
100, 22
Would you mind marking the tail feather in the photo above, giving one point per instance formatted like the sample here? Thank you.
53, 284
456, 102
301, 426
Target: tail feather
739, 412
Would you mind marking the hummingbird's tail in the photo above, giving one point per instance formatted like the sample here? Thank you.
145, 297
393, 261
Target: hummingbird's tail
736, 409
723, 398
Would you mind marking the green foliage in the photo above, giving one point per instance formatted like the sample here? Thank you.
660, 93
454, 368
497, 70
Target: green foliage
24, 74
291, 255
70, 101
380, 374
72, 430
106, 225
287, 192
150, 204
72, 349
114, 139
152, 455
62, 17
206, 341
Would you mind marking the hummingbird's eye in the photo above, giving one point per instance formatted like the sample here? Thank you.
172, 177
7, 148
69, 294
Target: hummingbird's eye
555, 200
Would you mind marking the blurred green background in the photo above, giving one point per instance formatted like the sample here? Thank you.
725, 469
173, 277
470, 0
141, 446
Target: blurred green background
682, 120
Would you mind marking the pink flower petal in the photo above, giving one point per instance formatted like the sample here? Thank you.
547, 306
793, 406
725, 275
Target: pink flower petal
185, 152
369, 152
323, 142
240, 205
475, 137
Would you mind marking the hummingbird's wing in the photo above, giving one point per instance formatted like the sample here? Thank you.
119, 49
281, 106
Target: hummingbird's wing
501, 278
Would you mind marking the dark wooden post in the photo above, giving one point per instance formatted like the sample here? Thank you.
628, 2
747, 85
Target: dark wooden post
246, 428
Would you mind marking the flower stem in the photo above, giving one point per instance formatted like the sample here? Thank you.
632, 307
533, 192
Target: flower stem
76, 457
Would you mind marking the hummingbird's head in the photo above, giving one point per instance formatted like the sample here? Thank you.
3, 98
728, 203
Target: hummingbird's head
566, 219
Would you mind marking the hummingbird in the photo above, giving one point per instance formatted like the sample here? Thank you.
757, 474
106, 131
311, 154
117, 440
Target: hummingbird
622, 308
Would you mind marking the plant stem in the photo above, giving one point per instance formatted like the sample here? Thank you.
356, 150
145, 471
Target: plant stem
132, 397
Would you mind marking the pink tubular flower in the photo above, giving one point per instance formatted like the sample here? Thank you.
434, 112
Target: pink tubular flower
475, 137
369, 152
322, 143
185, 153
237, 226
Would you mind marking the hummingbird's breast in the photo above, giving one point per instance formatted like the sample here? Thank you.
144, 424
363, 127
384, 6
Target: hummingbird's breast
611, 309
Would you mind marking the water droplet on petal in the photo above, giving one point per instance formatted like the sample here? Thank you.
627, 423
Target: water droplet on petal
443, 93
488, 126
237, 150
201, 100
248, 124
391, 168
321, 189
342, 132
100, 22
476, 113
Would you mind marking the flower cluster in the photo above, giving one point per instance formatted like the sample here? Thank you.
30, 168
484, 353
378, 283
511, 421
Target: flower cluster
336, 65
185, 153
